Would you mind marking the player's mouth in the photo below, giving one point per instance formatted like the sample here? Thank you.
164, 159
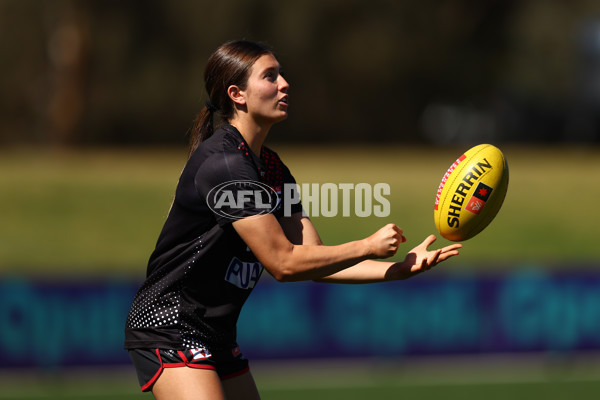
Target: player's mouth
284, 101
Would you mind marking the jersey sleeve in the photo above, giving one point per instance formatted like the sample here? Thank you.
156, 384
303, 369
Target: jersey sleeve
290, 197
230, 185
278, 176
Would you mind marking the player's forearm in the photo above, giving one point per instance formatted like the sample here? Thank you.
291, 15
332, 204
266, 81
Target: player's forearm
302, 262
373, 271
368, 271
289, 262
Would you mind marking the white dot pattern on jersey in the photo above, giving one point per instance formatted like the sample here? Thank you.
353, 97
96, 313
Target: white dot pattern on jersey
189, 339
148, 311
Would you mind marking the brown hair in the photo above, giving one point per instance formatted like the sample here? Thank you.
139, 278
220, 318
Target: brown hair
229, 65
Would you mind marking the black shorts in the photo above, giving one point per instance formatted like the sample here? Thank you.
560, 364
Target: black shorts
149, 363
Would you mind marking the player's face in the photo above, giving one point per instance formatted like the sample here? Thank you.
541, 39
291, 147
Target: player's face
266, 91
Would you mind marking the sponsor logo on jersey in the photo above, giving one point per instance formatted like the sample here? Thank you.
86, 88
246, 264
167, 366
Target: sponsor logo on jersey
243, 274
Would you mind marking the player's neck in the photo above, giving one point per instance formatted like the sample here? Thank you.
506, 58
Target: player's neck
254, 134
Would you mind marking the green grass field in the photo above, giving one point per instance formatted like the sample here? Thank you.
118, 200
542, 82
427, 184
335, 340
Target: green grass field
495, 379
383, 391
99, 211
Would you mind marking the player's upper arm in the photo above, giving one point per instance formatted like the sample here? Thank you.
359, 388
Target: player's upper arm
265, 237
300, 230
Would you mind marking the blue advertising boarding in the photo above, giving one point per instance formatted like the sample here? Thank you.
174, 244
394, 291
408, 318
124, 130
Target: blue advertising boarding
52, 323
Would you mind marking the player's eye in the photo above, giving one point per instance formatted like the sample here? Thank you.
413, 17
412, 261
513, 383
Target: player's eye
271, 75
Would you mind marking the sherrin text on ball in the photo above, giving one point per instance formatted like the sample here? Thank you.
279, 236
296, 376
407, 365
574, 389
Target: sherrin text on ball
471, 193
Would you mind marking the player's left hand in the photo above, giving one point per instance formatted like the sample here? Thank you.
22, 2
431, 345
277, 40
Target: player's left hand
421, 259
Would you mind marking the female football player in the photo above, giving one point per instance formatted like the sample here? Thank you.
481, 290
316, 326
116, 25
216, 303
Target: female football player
181, 329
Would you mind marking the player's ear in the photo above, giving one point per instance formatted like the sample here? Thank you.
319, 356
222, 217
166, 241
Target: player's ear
236, 95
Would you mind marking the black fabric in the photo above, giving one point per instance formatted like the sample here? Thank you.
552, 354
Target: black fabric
201, 272
149, 363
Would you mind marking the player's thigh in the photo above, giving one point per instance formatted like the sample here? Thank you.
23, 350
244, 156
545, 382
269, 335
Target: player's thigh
186, 383
241, 387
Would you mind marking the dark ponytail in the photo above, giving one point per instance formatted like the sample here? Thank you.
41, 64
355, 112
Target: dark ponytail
229, 65
203, 128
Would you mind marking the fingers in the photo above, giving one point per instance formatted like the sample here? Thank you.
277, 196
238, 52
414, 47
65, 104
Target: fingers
397, 234
391, 236
384, 243
430, 240
400, 232
452, 247
447, 252
431, 261
434, 257
396, 239
450, 251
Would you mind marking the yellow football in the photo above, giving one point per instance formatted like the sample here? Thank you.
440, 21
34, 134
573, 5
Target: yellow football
471, 193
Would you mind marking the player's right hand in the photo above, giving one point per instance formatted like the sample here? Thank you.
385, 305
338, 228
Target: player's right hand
384, 243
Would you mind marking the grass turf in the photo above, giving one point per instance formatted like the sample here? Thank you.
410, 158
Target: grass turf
99, 212
537, 390
450, 378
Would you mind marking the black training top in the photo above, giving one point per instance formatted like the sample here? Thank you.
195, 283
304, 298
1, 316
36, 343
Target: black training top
201, 272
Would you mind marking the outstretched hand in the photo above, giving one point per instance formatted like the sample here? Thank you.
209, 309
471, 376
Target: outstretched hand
421, 259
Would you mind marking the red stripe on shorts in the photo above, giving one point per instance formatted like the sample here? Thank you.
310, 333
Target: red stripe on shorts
242, 372
155, 377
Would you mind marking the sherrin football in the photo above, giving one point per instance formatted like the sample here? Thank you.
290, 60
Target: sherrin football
471, 193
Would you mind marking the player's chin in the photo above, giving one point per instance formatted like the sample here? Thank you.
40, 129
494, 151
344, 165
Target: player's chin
281, 116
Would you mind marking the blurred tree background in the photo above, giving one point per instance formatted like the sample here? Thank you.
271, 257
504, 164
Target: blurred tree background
107, 72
